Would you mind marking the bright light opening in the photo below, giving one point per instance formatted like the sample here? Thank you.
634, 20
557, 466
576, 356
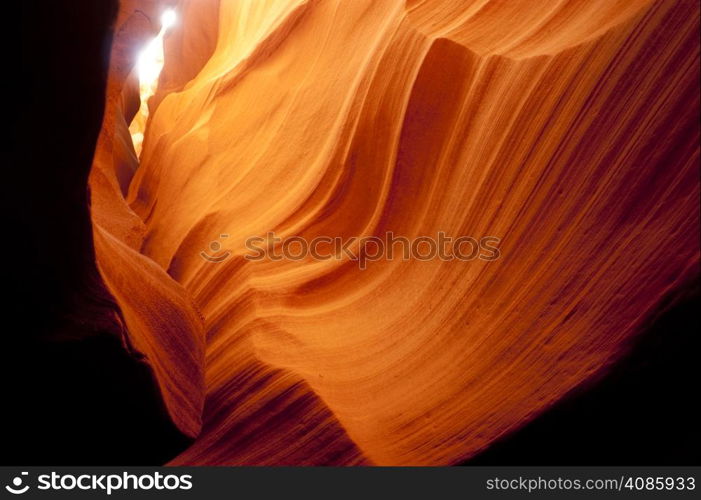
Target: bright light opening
148, 67
168, 19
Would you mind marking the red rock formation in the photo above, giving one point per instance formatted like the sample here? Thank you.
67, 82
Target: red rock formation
568, 132
162, 320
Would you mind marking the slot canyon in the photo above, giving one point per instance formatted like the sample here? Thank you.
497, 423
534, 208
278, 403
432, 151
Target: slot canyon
567, 131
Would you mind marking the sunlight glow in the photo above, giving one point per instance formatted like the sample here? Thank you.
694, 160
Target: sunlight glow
148, 67
168, 19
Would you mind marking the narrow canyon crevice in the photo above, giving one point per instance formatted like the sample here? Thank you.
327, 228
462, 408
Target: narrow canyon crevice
570, 133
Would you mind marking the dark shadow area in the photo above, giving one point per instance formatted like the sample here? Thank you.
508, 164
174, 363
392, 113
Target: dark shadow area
644, 411
72, 393
88, 402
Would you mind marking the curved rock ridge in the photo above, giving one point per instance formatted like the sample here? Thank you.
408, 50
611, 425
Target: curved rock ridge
568, 132
519, 28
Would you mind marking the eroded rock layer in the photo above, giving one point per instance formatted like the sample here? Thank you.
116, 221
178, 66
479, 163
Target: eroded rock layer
569, 132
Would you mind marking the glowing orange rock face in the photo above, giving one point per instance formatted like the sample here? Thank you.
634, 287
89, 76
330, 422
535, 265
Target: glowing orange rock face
568, 132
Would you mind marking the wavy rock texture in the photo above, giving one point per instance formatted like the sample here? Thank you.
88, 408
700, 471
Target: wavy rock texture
569, 131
